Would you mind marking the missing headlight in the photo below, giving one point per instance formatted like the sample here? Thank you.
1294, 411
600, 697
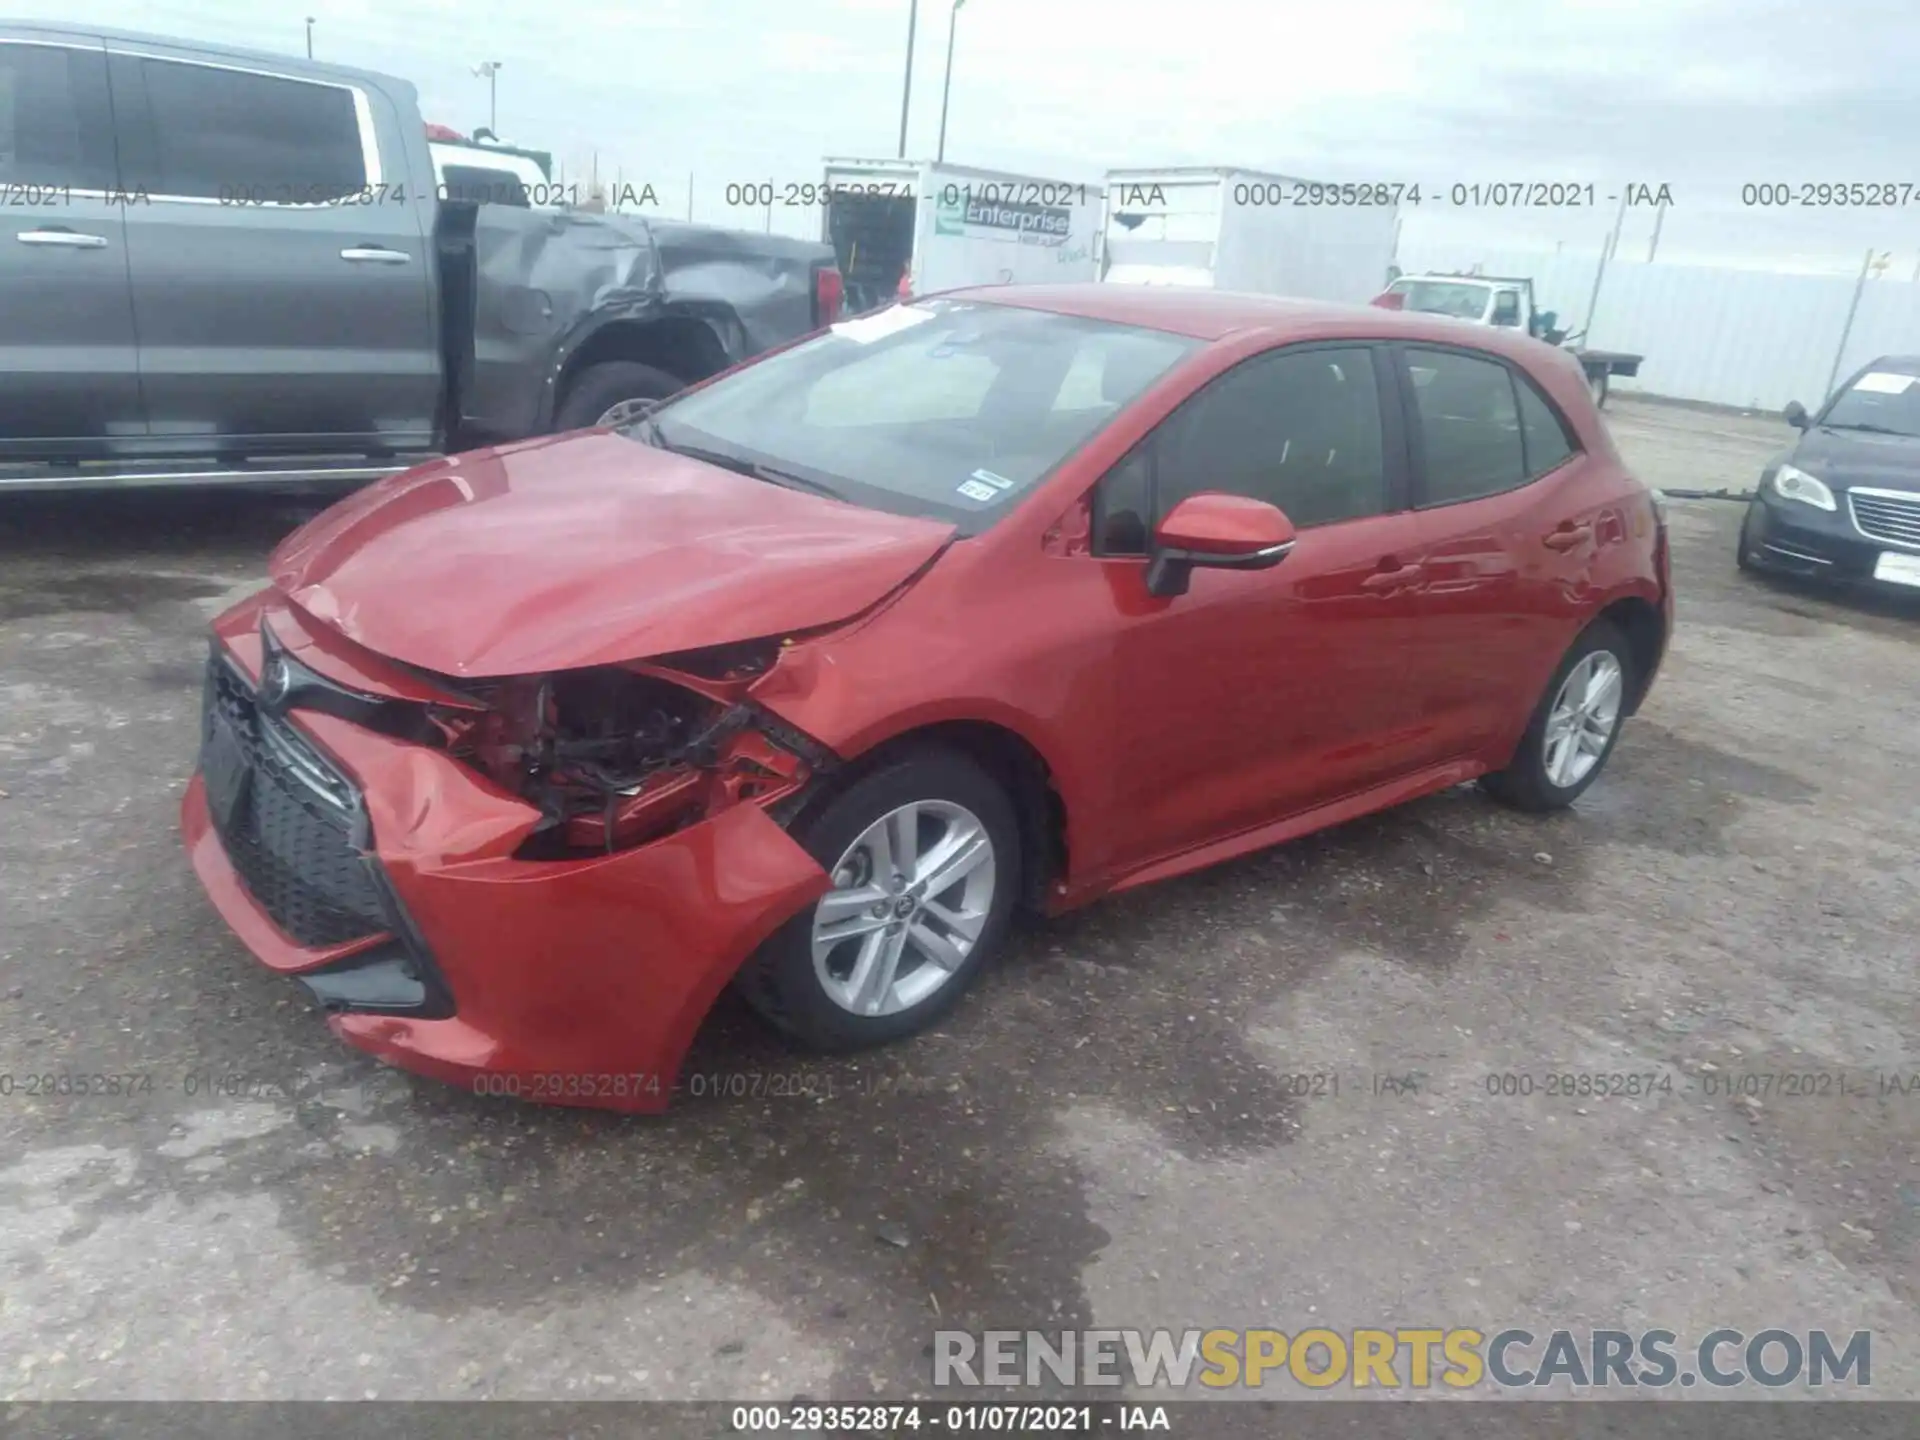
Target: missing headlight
616, 757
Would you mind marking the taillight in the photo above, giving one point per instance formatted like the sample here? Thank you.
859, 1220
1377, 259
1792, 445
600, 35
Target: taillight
828, 290
1389, 300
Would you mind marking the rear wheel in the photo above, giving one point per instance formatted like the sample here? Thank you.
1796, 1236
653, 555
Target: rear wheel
925, 860
612, 393
1573, 729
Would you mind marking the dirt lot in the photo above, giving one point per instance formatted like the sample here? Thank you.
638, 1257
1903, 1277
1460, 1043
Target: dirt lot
1105, 1134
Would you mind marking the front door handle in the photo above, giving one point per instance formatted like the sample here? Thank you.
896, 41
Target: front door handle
375, 254
1567, 537
1393, 576
59, 235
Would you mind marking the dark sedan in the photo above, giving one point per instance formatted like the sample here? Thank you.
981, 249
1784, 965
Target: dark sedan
1844, 503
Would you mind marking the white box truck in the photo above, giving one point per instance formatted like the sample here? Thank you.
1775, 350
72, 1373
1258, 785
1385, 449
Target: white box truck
1230, 229
943, 226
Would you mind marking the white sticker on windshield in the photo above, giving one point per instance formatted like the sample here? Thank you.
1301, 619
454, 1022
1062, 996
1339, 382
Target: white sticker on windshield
999, 482
974, 490
866, 329
1885, 382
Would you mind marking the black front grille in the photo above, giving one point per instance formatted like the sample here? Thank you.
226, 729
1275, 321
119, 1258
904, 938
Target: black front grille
290, 833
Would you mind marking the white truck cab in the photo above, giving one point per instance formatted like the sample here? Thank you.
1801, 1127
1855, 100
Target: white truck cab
1479, 300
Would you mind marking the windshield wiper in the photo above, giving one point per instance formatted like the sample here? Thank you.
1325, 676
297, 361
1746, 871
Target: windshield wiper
1873, 430
739, 464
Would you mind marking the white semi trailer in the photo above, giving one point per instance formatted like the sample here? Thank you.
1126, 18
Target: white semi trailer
1232, 229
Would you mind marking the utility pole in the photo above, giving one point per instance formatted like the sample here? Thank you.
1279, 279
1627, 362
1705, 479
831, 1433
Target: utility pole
1846, 331
1600, 270
310, 37
953, 22
1654, 244
906, 90
491, 70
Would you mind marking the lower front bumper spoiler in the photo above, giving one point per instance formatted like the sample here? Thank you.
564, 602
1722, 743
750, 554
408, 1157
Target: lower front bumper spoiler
579, 982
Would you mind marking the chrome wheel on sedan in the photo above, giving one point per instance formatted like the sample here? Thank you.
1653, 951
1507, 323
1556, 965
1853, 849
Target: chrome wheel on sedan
1581, 723
911, 897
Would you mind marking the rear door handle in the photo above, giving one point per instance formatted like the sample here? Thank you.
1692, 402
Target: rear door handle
375, 254
1567, 538
1394, 577
71, 239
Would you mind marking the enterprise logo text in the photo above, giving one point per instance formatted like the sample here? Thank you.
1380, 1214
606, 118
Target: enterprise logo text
1401, 1358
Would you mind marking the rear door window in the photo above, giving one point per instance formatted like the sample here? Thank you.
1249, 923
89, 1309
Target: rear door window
1467, 421
482, 185
1548, 444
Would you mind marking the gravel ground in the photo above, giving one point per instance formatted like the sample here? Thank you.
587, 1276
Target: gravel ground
1105, 1134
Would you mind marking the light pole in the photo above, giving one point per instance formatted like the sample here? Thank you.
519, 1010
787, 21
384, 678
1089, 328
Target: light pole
953, 23
310, 37
906, 89
491, 69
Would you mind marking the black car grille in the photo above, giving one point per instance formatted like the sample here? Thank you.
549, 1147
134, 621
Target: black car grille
1889, 518
290, 832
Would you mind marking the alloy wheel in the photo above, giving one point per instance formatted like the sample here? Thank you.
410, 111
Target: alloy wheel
1583, 718
911, 896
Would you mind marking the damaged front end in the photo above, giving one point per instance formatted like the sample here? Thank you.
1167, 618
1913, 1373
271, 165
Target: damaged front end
620, 756
578, 862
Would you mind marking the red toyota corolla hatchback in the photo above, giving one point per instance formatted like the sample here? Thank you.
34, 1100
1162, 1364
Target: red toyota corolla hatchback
806, 680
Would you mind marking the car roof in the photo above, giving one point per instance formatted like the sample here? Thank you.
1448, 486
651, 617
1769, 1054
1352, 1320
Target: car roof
186, 47
1212, 315
1897, 364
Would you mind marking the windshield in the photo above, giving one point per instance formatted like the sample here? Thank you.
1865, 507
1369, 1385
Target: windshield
947, 409
1880, 400
1443, 297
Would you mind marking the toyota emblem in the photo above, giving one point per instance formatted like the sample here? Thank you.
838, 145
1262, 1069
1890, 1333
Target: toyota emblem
275, 683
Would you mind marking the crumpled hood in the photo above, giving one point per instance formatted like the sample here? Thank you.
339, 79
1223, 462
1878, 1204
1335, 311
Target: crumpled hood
584, 550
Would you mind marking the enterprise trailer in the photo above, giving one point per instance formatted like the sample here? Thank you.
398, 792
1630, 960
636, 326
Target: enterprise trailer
1230, 229
944, 226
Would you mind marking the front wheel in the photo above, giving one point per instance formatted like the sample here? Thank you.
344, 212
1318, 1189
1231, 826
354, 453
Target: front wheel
612, 393
924, 855
1747, 551
1573, 729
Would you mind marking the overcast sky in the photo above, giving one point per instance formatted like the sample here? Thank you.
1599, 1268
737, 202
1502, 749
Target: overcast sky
1701, 95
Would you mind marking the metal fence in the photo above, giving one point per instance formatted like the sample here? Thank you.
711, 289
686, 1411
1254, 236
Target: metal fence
1752, 338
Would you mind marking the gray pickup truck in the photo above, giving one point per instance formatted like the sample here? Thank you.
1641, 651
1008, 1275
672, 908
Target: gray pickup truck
219, 266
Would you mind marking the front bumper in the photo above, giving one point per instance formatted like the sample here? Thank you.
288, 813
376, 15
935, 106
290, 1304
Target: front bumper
579, 982
1788, 537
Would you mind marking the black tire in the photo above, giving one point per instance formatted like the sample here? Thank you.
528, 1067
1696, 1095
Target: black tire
1743, 552
780, 981
1524, 783
599, 388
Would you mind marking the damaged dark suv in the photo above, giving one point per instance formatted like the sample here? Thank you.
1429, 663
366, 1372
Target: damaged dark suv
234, 266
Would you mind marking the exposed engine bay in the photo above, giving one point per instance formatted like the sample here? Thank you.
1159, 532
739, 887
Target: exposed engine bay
622, 755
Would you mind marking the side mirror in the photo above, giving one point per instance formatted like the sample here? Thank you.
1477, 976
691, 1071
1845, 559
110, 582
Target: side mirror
1221, 532
1796, 415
